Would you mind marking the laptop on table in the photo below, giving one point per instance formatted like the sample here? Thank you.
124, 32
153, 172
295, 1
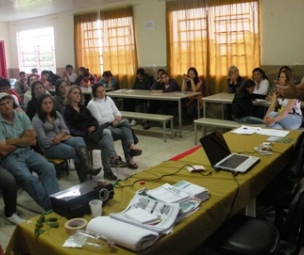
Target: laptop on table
221, 157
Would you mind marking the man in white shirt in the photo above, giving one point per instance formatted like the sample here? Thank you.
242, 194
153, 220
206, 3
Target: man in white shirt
69, 75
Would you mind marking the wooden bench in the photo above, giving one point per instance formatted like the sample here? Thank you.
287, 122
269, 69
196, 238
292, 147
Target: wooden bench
152, 117
217, 123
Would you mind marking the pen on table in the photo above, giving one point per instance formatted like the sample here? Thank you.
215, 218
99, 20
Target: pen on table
245, 128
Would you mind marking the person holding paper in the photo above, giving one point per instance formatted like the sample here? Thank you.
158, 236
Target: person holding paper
242, 104
288, 114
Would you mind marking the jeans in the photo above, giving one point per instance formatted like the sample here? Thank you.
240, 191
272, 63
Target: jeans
106, 145
123, 132
9, 190
291, 121
66, 149
22, 163
250, 120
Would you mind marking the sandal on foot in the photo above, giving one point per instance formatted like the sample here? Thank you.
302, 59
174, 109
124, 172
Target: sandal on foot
132, 166
135, 152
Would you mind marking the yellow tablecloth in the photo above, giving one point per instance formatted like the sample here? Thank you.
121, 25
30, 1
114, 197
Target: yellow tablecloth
190, 232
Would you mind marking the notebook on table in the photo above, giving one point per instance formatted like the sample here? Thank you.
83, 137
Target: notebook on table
221, 157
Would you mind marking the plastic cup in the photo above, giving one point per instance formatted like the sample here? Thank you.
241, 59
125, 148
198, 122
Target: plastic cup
96, 207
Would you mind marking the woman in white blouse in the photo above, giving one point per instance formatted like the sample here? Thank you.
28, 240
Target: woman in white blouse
261, 81
104, 110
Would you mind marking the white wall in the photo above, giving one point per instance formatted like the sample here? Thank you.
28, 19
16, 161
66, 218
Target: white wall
151, 44
282, 37
282, 32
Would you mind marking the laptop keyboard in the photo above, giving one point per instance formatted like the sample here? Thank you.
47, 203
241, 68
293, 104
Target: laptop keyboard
234, 161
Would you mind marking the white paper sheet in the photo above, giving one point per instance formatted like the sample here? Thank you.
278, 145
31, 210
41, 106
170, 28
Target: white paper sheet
272, 132
123, 234
246, 130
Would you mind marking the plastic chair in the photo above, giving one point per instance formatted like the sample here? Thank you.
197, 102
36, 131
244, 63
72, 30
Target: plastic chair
57, 162
244, 235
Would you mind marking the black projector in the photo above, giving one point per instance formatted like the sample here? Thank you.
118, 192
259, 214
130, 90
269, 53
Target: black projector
74, 202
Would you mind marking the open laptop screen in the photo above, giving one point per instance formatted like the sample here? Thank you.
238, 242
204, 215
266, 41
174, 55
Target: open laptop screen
215, 147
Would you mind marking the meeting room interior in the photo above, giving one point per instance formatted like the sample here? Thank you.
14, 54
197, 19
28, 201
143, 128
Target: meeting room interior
166, 39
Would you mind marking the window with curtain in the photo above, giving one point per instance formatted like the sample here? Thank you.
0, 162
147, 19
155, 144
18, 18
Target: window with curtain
211, 36
105, 41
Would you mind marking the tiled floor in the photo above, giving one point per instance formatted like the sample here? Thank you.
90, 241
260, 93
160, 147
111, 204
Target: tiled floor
155, 151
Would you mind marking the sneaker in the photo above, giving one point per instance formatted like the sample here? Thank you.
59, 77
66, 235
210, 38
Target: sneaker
117, 162
15, 219
133, 122
110, 176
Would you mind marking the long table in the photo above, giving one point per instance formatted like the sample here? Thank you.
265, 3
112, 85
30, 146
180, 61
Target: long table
146, 94
226, 98
193, 230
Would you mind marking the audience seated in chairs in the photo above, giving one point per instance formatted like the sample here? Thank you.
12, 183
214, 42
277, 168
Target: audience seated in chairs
109, 81
234, 82
61, 88
191, 82
166, 85
86, 79
28, 94
20, 85
288, 114
5, 87
142, 81
81, 123
37, 89
55, 140
104, 111
242, 104
68, 75
16, 137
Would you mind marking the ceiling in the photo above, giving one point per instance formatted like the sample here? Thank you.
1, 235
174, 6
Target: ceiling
12, 10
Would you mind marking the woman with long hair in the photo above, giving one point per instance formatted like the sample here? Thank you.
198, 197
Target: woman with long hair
191, 82
37, 89
55, 140
61, 88
261, 81
284, 113
104, 110
81, 123
242, 104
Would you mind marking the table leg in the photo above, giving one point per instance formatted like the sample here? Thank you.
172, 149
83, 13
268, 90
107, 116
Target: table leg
195, 133
204, 109
250, 209
198, 108
180, 117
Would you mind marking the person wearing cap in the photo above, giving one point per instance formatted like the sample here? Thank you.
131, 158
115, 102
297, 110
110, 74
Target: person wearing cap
16, 137
5, 87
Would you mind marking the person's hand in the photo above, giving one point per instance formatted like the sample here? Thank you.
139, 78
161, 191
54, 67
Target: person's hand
288, 91
66, 137
57, 139
64, 74
91, 129
268, 120
29, 136
115, 123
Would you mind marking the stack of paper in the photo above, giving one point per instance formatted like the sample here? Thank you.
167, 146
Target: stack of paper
193, 190
168, 194
148, 213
